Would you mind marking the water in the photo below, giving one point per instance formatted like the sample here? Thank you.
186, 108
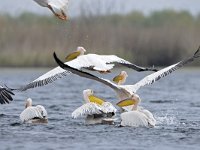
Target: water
173, 100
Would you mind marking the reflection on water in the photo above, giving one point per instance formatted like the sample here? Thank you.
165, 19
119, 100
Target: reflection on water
174, 101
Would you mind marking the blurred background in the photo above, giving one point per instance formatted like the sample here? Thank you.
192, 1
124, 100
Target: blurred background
145, 32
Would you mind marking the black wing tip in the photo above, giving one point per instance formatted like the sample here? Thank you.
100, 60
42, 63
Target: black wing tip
197, 53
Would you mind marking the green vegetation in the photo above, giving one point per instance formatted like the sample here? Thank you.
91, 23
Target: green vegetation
159, 39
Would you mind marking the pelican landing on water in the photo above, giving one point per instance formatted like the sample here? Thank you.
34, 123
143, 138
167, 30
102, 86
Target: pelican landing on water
96, 110
33, 114
129, 91
58, 7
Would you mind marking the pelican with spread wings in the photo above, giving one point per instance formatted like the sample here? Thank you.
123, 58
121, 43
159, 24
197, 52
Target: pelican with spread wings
127, 93
92, 62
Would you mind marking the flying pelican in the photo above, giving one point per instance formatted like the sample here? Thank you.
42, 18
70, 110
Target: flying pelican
33, 114
95, 109
136, 116
94, 62
58, 7
5, 95
121, 78
129, 91
80, 51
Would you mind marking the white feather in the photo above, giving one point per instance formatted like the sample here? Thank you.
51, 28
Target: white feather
138, 118
93, 108
87, 109
107, 107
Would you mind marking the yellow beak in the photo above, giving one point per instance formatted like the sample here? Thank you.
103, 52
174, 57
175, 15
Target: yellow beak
126, 102
96, 100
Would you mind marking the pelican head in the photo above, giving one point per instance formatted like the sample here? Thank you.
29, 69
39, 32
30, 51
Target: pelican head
86, 94
133, 100
124, 74
121, 78
28, 102
81, 50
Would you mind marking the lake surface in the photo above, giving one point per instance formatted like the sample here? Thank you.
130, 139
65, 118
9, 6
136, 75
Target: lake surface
174, 101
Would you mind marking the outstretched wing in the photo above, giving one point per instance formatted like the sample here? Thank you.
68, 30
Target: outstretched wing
87, 109
45, 79
113, 59
5, 95
150, 79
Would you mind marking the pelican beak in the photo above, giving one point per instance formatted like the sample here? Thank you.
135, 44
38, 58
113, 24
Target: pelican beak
96, 100
126, 102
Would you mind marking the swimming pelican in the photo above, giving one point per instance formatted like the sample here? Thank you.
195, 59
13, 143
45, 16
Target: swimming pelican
5, 95
80, 51
33, 114
58, 7
137, 116
95, 109
94, 62
129, 91
121, 78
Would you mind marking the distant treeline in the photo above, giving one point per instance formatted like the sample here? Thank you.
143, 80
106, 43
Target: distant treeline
159, 39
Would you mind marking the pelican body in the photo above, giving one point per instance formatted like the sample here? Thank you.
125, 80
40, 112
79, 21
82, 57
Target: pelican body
136, 116
96, 110
33, 114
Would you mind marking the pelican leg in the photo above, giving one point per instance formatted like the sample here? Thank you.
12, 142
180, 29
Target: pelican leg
105, 72
62, 17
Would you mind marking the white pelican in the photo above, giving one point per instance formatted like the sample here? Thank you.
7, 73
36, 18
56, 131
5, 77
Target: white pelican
136, 116
80, 51
33, 114
129, 91
5, 95
95, 109
121, 78
101, 63
58, 7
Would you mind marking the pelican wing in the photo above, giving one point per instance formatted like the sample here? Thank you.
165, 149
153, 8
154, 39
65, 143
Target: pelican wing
45, 79
150, 79
113, 59
87, 109
5, 95
30, 113
107, 107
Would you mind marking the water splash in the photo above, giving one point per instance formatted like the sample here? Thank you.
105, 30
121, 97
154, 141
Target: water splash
166, 119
